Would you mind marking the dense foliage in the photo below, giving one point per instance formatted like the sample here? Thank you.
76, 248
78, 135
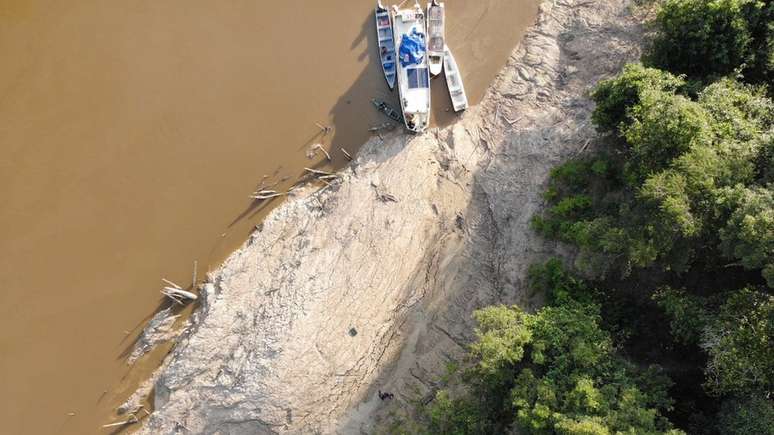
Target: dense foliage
555, 371
706, 39
682, 179
675, 216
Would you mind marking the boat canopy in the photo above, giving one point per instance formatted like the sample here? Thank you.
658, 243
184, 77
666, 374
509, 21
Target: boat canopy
412, 48
417, 78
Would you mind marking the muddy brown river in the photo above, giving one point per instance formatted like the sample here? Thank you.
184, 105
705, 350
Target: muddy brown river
132, 133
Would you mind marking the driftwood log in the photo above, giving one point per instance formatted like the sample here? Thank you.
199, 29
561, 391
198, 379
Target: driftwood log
176, 293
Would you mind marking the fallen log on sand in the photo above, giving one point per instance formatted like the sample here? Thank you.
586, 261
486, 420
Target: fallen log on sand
320, 147
171, 283
318, 172
176, 293
267, 196
132, 420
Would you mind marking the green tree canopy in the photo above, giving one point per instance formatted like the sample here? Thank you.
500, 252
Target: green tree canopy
615, 97
663, 196
712, 38
749, 414
738, 340
748, 234
680, 198
562, 376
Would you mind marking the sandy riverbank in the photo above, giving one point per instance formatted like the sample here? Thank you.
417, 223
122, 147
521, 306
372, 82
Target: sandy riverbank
369, 284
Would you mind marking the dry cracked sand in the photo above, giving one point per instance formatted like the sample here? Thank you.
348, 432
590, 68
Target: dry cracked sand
370, 283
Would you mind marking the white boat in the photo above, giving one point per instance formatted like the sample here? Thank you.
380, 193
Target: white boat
413, 73
454, 81
436, 18
386, 43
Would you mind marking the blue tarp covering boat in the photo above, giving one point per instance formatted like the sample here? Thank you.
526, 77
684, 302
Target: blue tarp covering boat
412, 48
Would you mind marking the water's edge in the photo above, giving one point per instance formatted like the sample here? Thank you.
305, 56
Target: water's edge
369, 283
132, 136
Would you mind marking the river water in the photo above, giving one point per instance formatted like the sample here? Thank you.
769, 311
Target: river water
132, 133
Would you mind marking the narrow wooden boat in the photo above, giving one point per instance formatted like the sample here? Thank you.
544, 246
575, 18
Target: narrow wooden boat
387, 110
413, 72
436, 38
454, 82
386, 43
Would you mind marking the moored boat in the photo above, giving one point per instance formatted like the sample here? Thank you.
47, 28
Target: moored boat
436, 38
387, 110
454, 81
413, 72
386, 43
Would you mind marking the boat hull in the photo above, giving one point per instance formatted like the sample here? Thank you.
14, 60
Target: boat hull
454, 82
436, 36
413, 71
436, 65
386, 43
387, 110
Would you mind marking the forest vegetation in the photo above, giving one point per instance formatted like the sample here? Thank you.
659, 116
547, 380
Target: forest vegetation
664, 321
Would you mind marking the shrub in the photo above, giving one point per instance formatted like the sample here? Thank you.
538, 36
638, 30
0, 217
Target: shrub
701, 38
615, 97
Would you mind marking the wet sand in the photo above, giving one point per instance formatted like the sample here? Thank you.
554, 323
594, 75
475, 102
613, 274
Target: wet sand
131, 136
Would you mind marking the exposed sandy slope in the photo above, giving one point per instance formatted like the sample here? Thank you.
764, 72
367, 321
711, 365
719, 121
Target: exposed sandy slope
370, 284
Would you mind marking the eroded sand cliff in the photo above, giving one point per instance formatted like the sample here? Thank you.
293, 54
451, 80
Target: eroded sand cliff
370, 283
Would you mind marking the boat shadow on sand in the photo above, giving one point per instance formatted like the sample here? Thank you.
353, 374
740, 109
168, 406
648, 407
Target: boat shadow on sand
351, 117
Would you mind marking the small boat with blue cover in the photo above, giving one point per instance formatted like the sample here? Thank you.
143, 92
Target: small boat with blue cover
413, 72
